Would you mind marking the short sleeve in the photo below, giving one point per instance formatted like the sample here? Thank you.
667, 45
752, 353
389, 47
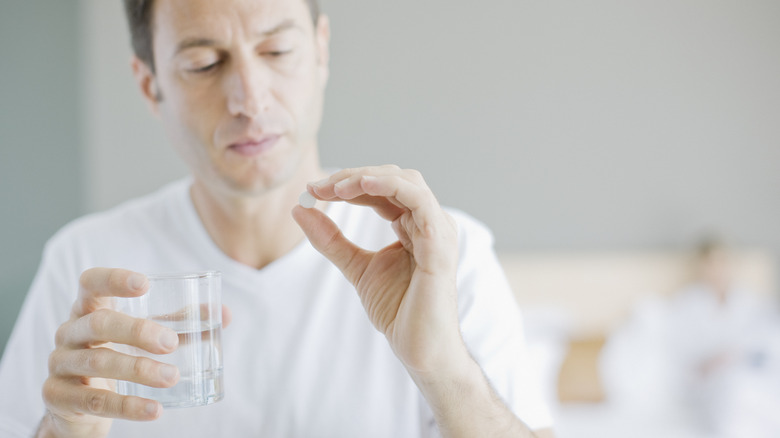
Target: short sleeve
24, 366
492, 328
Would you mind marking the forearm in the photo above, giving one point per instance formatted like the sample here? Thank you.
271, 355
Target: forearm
466, 406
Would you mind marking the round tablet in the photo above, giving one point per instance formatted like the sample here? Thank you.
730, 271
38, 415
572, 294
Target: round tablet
307, 200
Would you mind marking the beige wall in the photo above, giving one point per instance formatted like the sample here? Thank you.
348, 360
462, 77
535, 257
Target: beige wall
594, 292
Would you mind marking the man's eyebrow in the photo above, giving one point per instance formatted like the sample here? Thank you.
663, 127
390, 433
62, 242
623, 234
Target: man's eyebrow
194, 42
284, 25
208, 42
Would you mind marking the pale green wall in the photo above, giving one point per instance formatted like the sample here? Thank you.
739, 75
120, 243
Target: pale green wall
597, 125
40, 154
564, 125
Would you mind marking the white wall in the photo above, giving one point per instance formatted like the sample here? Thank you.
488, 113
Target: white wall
578, 125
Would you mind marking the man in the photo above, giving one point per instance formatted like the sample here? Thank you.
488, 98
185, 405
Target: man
239, 85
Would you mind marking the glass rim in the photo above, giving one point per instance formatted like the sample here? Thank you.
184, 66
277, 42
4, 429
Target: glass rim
184, 275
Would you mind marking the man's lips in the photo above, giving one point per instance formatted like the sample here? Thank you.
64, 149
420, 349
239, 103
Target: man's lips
254, 146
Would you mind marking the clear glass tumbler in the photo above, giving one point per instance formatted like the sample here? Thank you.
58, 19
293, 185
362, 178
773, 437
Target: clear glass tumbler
190, 304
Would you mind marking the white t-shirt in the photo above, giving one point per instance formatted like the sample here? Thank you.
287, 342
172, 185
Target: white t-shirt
301, 358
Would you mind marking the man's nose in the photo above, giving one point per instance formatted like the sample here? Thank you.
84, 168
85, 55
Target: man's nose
247, 90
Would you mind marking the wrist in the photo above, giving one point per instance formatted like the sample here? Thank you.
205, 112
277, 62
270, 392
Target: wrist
465, 405
53, 426
47, 429
459, 376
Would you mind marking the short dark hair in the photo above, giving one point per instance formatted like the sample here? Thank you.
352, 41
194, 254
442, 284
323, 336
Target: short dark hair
139, 19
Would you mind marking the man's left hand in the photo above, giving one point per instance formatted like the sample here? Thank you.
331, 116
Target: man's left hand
407, 288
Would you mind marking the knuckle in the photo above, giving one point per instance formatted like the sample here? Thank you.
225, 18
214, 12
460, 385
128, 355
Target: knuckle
55, 360
141, 329
98, 359
390, 168
126, 406
117, 279
99, 320
416, 177
142, 366
346, 173
61, 335
85, 280
96, 402
49, 391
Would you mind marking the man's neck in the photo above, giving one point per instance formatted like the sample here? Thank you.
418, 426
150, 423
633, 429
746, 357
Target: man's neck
257, 230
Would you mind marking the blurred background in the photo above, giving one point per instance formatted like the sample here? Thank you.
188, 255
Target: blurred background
599, 140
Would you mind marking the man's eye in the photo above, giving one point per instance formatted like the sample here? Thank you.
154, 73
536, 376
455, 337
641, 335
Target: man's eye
205, 68
276, 53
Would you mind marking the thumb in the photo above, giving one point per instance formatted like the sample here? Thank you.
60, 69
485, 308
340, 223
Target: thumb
327, 238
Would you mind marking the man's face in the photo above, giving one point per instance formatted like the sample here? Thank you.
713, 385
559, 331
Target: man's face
241, 85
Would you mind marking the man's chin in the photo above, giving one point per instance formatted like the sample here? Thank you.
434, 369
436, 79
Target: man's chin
257, 185
256, 178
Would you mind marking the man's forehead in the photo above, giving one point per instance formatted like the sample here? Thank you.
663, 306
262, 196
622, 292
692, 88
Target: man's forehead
182, 19
190, 42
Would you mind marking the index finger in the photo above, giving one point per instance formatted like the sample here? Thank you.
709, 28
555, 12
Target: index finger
406, 190
326, 191
97, 287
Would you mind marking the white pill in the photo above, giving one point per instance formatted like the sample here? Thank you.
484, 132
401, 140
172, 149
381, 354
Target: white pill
307, 200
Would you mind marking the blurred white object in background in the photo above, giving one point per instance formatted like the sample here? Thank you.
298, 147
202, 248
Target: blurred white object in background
708, 354
571, 301
547, 332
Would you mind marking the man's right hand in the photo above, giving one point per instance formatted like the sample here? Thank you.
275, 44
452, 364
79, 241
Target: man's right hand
80, 393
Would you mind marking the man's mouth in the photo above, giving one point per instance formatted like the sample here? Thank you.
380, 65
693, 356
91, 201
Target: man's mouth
255, 146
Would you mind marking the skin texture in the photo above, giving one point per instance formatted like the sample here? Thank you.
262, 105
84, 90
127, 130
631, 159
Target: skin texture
239, 88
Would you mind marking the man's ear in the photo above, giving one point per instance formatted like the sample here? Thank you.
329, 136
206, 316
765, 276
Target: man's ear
147, 82
322, 39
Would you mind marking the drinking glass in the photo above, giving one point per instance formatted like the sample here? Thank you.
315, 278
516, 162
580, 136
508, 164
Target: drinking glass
190, 304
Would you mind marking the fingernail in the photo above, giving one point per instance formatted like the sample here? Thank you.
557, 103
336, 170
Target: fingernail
169, 339
151, 408
369, 178
320, 183
168, 373
307, 200
137, 281
341, 184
